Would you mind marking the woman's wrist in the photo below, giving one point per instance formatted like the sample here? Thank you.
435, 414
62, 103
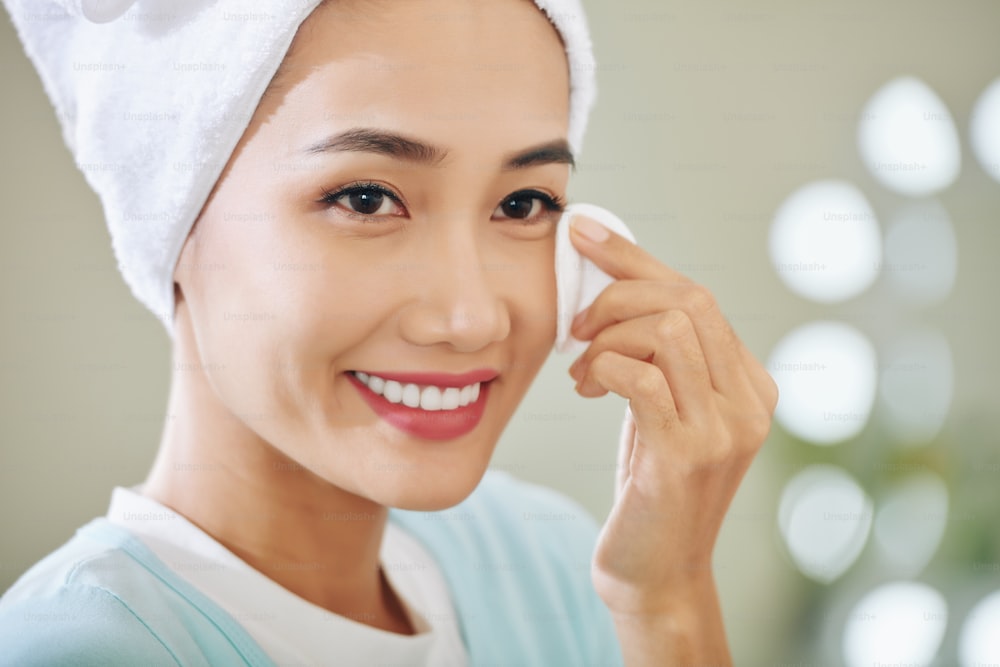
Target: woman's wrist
680, 627
666, 596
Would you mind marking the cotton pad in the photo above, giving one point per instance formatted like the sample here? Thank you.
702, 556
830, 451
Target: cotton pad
578, 280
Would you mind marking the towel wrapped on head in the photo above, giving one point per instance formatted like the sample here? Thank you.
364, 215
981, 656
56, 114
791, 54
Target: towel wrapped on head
154, 95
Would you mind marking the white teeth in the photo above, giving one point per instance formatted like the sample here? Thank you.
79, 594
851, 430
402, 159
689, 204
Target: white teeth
451, 398
411, 396
429, 398
393, 391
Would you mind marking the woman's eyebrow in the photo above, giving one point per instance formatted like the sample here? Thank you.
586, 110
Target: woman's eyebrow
552, 152
383, 142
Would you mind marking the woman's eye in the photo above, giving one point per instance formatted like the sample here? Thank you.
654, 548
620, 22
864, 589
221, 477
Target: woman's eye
367, 200
527, 206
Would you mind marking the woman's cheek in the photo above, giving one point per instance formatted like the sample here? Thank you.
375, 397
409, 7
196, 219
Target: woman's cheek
535, 290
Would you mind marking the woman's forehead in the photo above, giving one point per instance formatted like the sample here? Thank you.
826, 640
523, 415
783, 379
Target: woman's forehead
486, 71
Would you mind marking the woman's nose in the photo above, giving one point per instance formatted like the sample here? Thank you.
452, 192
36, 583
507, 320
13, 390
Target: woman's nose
456, 298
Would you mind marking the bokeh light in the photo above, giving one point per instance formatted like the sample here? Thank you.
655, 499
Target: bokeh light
921, 253
825, 242
911, 521
916, 385
984, 129
979, 642
824, 517
900, 623
907, 138
826, 376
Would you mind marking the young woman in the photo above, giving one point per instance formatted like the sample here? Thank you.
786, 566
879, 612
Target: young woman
356, 348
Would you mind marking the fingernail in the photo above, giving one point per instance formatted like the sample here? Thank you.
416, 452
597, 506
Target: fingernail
594, 231
579, 319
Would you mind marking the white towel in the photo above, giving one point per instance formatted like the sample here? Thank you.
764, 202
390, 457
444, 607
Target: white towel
153, 96
579, 280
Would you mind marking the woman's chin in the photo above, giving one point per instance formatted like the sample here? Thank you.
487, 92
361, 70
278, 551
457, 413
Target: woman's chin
422, 492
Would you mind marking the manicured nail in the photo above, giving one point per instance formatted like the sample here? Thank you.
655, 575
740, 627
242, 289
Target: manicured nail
594, 231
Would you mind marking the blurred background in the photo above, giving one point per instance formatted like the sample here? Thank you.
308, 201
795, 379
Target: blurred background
831, 170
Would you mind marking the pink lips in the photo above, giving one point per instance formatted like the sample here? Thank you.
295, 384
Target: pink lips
431, 424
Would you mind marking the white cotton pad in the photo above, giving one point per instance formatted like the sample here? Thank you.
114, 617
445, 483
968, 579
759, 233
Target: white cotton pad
578, 280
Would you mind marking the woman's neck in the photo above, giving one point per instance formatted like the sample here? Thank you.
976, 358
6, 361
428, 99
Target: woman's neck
314, 539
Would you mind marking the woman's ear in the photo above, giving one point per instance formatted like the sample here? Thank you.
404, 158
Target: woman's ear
187, 258
184, 260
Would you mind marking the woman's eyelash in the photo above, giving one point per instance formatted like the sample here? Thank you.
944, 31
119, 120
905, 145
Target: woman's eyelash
332, 196
551, 202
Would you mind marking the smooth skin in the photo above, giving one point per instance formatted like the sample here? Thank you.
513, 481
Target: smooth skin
281, 291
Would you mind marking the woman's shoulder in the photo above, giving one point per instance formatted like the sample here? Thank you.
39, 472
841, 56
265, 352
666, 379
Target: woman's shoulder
103, 599
66, 607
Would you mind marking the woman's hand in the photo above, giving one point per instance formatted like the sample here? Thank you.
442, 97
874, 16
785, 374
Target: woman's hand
700, 406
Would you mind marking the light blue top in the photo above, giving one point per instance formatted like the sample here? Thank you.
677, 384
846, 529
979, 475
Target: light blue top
516, 557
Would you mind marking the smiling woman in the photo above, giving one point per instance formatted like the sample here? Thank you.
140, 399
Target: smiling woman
321, 489
414, 189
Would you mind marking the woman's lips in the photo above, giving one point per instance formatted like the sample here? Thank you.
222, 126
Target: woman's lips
444, 414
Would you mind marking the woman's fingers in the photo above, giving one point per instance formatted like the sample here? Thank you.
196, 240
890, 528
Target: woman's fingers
616, 255
646, 285
650, 398
627, 299
668, 342
761, 380
754, 418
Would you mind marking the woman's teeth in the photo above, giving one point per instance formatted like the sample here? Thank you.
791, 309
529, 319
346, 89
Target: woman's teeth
428, 397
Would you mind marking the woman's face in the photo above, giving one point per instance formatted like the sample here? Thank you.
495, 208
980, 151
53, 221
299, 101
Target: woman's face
389, 210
